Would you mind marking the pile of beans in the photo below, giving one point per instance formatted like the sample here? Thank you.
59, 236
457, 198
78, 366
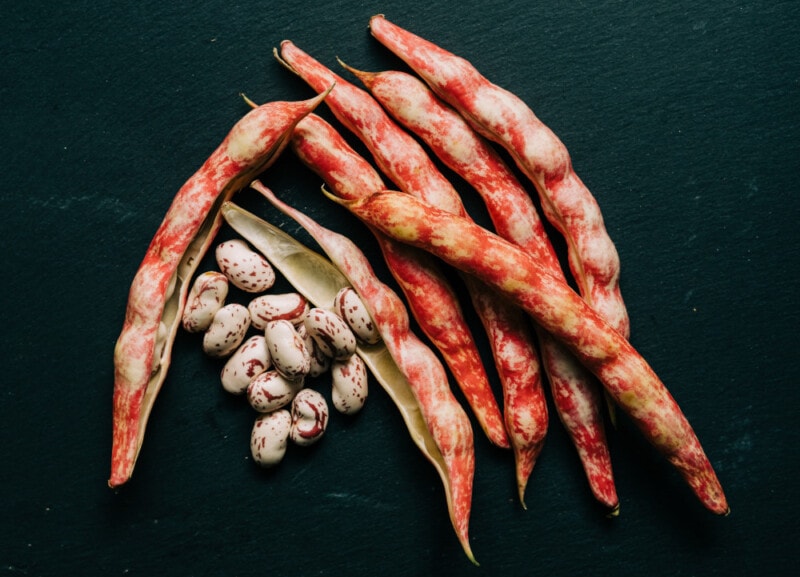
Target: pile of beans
294, 341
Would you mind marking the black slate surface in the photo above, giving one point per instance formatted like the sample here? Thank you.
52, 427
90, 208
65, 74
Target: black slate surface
683, 121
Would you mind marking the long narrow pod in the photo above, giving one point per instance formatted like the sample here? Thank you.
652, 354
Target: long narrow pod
447, 422
626, 376
504, 118
158, 293
576, 394
443, 322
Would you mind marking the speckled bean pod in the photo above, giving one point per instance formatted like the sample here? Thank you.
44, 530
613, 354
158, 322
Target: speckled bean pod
227, 330
244, 267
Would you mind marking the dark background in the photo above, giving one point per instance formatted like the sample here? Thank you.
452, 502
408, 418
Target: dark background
683, 121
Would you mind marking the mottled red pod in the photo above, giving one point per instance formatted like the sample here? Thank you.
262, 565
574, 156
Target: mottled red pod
245, 268
309, 417
434, 305
504, 118
626, 376
576, 394
159, 289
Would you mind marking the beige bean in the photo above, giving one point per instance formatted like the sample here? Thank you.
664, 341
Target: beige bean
331, 333
292, 307
269, 437
271, 391
288, 352
250, 360
309, 417
349, 306
206, 297
320, 362
349, 385
245, 268
227, 330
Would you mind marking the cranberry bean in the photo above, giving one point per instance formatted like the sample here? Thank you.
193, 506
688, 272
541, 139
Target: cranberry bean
250, 360
269, 437
206, 297
331, 333
349, 392
309, 417
227, 330
292, 307
349, 306
288, 352
245, 268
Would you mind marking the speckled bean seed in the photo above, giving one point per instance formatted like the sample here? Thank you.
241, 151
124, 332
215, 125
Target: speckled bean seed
250, 360
270, 391
349, 391
348, 305
309, 417
245, 268
206, 297
288, 352
269, 437
292, 307
331, 333
227, 330
320, 362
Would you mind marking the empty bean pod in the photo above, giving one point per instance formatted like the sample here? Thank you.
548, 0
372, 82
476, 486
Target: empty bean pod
245, 268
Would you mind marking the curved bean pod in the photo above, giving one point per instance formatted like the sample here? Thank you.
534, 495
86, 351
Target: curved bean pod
401, 158
159, 289
552, 303
515, 218
447, 422
430, 297
506, 119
